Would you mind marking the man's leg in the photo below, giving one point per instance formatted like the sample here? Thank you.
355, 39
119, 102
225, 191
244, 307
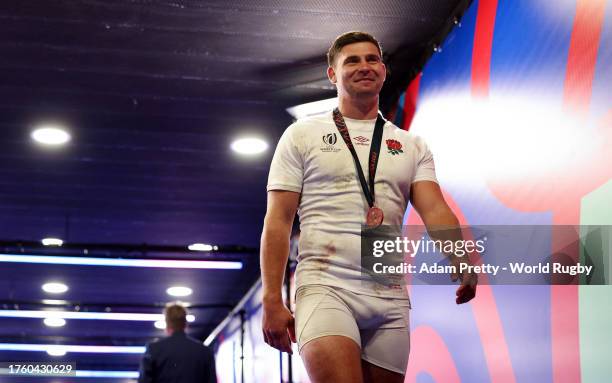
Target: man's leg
327, 335
375, 374
332, 358
386, 348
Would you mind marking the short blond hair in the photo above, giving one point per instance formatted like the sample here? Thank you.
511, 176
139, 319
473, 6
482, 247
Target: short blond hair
176, 316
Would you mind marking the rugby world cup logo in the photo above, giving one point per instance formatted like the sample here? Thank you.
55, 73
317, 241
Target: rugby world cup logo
330, 139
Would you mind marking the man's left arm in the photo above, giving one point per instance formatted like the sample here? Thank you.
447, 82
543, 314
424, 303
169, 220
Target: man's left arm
427, 199
212, 370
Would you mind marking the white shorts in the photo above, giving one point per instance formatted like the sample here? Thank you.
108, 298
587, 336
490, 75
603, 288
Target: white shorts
380, 326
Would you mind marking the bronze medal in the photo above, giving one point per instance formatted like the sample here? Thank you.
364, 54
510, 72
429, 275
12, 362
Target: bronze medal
375, 217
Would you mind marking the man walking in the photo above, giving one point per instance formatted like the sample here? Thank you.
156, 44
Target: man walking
177, 358
342, 170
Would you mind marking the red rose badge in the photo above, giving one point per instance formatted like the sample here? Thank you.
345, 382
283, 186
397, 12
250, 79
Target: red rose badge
395, 147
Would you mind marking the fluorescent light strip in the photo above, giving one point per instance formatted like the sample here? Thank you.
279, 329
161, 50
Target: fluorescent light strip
313, 108
88, 374
85, 315
88, 261
73, 348
106, 374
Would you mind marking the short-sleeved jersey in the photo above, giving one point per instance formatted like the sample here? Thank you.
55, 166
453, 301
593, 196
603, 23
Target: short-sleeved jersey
311, 158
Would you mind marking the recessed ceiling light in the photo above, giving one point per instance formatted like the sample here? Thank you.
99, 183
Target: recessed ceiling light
55, 322
179, 291
55, 302
160, 324
52, 242
56, 351
55, 288
249, 145
200, 247
50, 135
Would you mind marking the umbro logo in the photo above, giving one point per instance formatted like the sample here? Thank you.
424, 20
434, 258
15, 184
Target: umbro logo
330, 139
361, 140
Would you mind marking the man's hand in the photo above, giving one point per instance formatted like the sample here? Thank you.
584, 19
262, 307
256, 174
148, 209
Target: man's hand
278, 327
469, 281
427, 199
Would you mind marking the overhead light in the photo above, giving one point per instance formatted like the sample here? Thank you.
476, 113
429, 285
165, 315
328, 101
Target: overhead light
200, 247
55, 321
55, 288
107, 374
313, 108
50, 135
52, 242
55, 302
249, 146
88, 261
160, 324
95, 373
179, 291
42, 314
72, 348
56, 351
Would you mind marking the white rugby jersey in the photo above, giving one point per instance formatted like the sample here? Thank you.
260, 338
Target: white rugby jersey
311, 158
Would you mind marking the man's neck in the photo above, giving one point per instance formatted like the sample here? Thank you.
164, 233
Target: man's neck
171, 332
358, 109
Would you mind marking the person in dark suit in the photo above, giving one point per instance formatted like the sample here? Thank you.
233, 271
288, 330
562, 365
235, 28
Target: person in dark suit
177, 358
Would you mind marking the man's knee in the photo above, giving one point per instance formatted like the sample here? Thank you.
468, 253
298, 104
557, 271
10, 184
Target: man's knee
375, 374
332, 359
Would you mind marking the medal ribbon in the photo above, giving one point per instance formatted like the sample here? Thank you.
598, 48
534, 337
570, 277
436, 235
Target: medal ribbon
373, 157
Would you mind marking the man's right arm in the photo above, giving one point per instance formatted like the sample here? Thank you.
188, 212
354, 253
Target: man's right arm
146, 367
277, 326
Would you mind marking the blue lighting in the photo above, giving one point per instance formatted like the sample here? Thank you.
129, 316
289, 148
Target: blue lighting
106, 374
89, 261
72, 348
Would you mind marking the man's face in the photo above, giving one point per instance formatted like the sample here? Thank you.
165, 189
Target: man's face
358, 70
